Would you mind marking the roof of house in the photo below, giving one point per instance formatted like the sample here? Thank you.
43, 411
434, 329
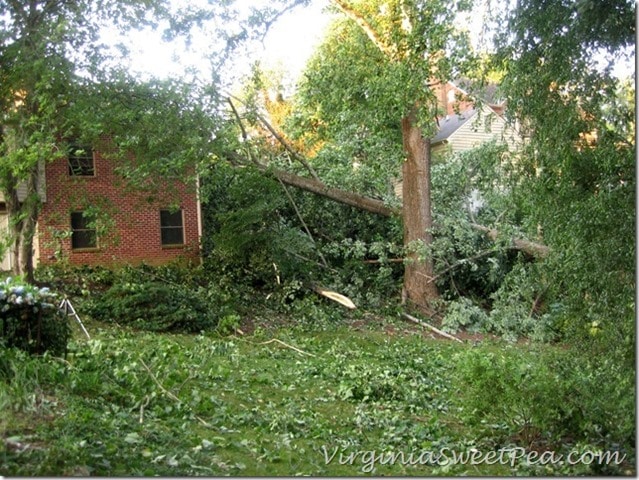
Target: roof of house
449, 124
489, 93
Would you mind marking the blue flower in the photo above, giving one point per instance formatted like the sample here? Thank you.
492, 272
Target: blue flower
18, 290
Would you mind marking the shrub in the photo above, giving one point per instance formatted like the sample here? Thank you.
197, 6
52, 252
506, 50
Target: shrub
518, 390
554, 396
30, 319
158, 306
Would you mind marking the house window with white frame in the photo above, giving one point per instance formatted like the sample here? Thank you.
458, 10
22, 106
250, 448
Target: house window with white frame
172, 227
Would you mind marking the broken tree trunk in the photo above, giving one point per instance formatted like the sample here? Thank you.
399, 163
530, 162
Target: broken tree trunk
416, 215
342, 196
534, 249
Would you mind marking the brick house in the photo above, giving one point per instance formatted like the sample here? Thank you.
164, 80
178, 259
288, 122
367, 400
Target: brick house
90, 216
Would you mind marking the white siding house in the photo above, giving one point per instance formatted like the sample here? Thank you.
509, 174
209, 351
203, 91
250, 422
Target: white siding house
6, 261
459, 132
469, 129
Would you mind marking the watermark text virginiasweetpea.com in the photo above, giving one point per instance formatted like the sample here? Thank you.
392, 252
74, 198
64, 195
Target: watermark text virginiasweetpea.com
512, 456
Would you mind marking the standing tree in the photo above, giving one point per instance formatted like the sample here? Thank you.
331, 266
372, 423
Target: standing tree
370, 85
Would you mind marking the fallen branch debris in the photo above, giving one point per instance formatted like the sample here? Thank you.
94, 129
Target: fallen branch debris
531, 248
430, 327
170, 395
336, 297
280, 342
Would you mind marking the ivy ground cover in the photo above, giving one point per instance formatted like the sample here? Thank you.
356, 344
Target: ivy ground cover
291, 402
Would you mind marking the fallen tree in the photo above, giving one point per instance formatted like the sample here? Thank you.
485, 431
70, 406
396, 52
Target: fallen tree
361, 202
373, 205
534, 249
415, 212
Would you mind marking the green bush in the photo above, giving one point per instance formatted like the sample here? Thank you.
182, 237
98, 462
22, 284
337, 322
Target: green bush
158, 306
30, 320
548, 397
521, 392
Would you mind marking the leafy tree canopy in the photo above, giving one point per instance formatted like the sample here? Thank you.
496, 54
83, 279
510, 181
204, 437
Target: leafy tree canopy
376, 64
577, 173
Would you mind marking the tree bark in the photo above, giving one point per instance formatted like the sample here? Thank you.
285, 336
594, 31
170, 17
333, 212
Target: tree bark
368, 204
417, 216
533, 249
15, 221
23, 218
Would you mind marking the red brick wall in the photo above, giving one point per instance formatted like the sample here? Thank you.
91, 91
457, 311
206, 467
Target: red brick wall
460, 104
133, 217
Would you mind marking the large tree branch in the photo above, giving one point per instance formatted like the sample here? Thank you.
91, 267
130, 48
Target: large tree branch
276, 135
342, 196
378, 207
288, 148
364, 25
238, 119
535, 249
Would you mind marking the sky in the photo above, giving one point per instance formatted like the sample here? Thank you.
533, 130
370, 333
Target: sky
294, 37
288, 45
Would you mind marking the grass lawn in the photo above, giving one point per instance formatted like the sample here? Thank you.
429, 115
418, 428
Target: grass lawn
351, 400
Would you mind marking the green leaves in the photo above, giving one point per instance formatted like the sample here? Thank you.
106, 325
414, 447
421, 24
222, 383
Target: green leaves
572, 181
129, 402
160, 306
364, 79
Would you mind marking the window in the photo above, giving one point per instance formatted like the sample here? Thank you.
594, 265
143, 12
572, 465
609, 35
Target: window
171, 227
452, 96
83, 234
81, 161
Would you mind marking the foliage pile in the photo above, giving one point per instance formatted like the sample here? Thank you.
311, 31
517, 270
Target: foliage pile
30, 319
168, 298
275, 241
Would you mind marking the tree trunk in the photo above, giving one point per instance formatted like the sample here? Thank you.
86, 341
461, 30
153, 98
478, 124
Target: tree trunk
23, 217
15, 221
417, 216
25, 262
